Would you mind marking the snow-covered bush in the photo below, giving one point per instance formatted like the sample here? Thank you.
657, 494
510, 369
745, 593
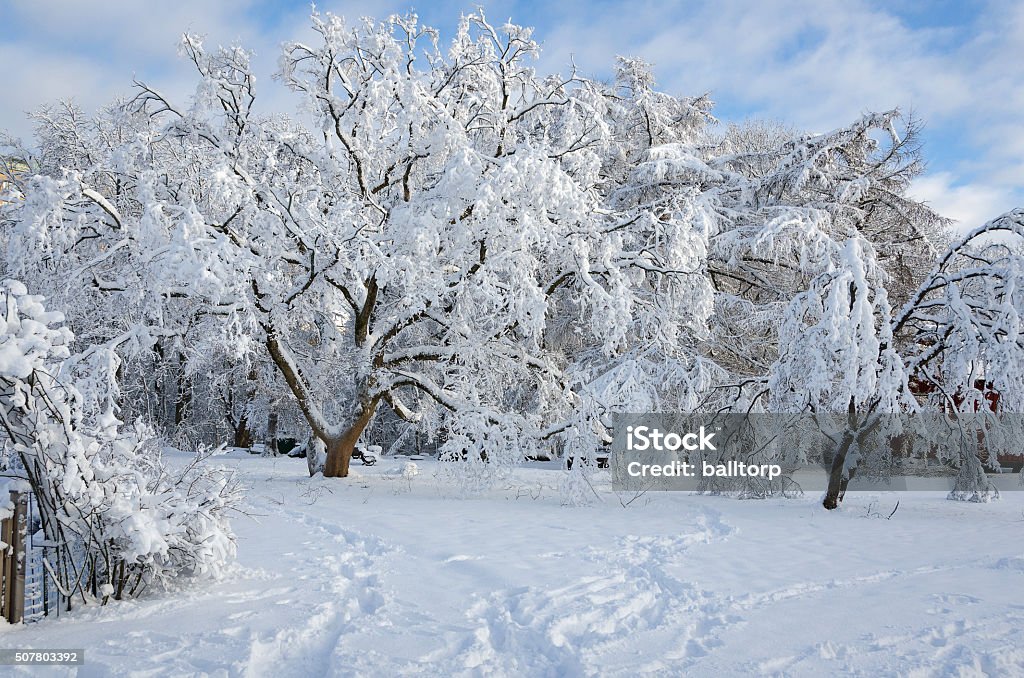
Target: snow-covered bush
120, 519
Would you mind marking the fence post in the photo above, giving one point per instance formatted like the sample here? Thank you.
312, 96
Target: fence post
5, 562
14, 529
19, 525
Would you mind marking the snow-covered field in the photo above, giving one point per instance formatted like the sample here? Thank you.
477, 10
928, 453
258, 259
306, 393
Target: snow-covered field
384, 575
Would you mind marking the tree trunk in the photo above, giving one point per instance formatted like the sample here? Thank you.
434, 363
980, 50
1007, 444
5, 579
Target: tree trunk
272, 433
837, 480
339, 454
243, 437
184, 393
339, 450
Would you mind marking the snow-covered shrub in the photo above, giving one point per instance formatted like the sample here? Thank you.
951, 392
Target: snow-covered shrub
580, 459
482, 448
122, 520
409, 471
406, 473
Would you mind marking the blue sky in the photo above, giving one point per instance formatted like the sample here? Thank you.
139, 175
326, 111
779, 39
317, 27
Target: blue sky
816, 65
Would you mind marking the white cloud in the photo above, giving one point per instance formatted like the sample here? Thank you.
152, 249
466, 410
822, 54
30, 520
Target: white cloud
971, 205
141, 30
45, 79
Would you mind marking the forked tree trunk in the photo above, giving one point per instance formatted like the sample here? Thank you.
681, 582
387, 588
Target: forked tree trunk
339, 450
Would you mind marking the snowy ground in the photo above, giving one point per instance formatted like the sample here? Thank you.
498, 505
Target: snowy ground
378, 575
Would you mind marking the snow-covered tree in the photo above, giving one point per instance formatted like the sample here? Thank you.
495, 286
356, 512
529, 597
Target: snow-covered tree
843, 350
964, 344
811, 239
412, 251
